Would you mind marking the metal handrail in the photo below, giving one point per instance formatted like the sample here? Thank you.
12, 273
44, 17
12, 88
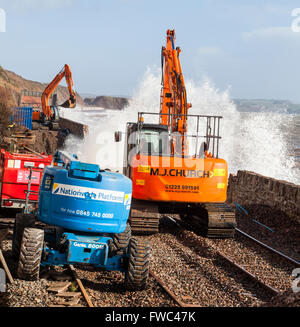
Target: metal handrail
212, 129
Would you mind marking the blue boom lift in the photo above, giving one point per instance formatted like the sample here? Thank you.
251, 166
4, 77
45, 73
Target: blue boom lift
86, 213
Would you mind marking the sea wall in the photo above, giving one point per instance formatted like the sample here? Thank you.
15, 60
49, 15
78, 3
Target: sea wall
248, 188
75, 128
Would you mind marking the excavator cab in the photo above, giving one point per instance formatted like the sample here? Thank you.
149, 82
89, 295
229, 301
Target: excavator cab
153, 140
53, 122
157, 140
146, 139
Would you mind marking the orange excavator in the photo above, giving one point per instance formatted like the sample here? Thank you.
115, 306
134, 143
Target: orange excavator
174, 164
50, 115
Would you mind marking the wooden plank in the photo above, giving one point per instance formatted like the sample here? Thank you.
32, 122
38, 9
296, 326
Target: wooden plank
68, 303
69, 294
2, 259
59, 287
30, 150
83, 291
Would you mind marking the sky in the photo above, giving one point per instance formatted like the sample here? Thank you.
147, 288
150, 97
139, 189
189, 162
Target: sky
251, 47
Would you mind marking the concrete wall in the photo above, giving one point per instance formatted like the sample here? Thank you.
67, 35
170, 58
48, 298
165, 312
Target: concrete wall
248, 188
77, 129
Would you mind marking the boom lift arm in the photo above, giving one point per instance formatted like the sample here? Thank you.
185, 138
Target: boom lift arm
70, 103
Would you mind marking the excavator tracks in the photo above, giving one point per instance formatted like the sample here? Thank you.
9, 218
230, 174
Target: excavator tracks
213, 220
144, 218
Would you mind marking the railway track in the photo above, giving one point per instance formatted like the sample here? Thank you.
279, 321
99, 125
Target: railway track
165, 287
82, 289
59, 289
267, 287
243, 268
62, 287
194, 303
265, 246
172, 294
255, 277
108, 291
194, 279
56, 287
271, 290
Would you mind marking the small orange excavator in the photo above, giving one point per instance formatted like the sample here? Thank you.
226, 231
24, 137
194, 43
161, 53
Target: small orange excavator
174, 173
50, 115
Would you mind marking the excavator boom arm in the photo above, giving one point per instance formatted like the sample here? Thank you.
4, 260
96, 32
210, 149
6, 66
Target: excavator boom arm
174, 106
173, 93
71, 103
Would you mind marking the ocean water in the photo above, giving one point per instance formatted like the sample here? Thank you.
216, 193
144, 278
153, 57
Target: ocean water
265, 143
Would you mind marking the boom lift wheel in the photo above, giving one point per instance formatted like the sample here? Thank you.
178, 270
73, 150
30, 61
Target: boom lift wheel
121, 241
30, 254
137, 274
21, 222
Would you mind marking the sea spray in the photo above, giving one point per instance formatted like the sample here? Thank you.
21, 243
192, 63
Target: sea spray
250, 141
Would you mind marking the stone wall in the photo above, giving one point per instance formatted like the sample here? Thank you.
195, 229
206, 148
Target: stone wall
248, 188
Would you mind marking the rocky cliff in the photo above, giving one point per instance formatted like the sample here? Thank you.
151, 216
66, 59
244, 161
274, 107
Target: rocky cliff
107, 102
264, 105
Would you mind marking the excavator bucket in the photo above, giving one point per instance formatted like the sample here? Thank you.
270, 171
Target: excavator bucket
68, 104
71, 103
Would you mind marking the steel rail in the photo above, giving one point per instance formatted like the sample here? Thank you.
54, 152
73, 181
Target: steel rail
282, 255
249, 274
171, 294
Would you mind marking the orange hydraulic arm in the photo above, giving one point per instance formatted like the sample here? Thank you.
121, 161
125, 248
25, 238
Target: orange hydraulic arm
173, 93
71, 103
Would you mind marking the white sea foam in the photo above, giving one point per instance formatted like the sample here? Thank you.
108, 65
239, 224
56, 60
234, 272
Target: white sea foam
250, 141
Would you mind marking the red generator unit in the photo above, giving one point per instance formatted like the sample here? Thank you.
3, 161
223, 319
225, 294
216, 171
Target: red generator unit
14, 177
